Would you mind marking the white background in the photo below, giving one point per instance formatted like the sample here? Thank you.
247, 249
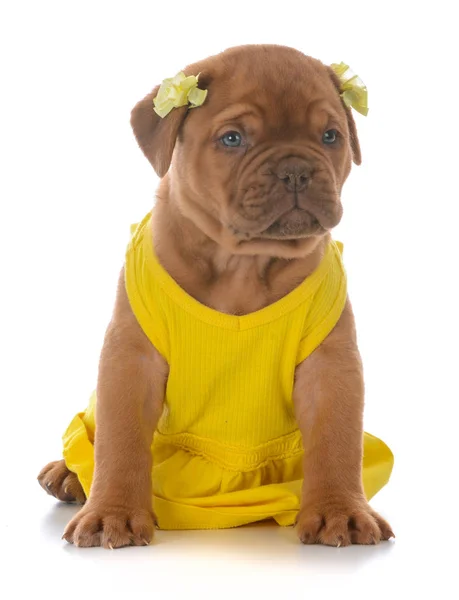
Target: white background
73, 179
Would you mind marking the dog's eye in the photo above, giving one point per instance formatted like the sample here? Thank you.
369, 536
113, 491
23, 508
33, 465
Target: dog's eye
232, 139
330, 136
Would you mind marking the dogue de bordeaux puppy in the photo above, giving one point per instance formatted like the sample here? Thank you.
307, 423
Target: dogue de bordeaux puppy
230, 385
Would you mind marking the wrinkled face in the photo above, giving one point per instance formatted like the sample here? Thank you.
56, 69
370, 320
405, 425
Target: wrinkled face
268, 152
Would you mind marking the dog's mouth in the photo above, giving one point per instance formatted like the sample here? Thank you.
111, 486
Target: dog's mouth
292, 225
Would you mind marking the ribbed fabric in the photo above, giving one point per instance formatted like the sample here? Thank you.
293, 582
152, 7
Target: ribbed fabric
227, 450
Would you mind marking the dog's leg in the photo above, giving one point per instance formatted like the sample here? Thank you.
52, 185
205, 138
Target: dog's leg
130, 392
328, 397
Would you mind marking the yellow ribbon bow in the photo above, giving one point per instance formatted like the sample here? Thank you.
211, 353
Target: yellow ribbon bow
178, 91
353, 91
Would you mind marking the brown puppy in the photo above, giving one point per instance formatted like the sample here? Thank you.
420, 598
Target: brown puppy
238, 225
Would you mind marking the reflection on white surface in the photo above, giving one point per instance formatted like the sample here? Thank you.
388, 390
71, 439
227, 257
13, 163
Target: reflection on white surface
260, 543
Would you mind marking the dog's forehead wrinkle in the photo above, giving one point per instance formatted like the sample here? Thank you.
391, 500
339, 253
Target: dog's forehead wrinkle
237, 111
276, 102
279, 120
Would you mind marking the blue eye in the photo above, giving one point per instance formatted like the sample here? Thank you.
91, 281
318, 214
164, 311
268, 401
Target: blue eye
232, 139
330, 136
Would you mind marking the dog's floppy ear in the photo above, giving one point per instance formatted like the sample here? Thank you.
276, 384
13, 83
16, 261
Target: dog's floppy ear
355, 145
156, 136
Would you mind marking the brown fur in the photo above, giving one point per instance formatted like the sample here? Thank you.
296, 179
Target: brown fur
238, 229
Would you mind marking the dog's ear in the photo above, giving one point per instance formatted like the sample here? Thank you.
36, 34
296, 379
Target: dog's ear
156, 136
355, 144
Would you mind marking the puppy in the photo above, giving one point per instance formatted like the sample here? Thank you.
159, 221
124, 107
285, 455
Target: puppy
230, 385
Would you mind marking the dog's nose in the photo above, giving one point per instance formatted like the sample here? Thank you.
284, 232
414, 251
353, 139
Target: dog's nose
295, 174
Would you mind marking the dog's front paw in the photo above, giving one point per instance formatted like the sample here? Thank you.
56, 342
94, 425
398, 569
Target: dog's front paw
341, 523
110, 527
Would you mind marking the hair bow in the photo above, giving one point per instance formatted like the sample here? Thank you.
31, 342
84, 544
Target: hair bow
353, 91
178, 91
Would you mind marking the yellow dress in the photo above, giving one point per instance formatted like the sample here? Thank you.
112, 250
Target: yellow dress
227, 450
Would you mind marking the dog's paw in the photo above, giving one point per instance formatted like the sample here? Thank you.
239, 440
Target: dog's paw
61, 483
110, 527
341, 523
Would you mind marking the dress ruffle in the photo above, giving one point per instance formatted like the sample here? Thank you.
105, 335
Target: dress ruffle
194, 489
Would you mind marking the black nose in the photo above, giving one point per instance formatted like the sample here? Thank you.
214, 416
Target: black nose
294, 173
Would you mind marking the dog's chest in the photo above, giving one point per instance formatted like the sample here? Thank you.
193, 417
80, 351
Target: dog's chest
240, 289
